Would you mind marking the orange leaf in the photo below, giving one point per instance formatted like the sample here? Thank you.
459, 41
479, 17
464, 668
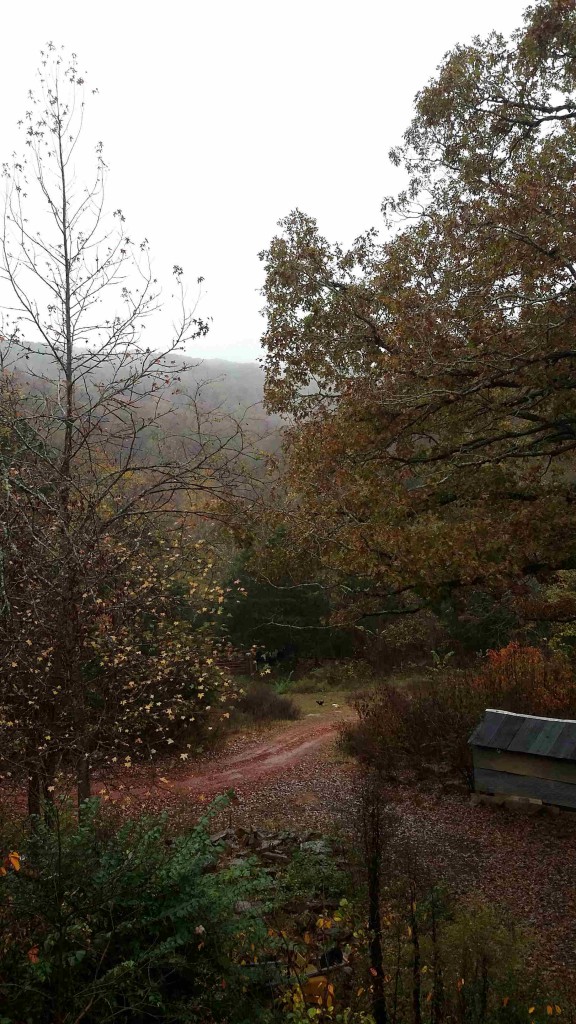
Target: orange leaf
33, 955
506, 1000
549, 1010
14, 860
373, 972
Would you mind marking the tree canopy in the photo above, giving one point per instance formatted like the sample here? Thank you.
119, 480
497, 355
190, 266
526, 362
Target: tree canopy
430, 372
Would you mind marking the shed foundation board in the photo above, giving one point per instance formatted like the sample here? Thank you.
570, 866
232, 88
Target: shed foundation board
562, 794
525, 764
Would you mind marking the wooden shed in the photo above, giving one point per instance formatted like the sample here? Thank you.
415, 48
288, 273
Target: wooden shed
525, 756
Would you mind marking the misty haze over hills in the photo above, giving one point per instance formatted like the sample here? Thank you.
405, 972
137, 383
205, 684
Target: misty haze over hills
233, 386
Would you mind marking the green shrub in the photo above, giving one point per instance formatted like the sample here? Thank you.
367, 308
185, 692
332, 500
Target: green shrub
473, 962
126, 924
313, 873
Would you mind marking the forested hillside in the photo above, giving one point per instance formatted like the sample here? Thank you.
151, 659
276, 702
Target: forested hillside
237, 387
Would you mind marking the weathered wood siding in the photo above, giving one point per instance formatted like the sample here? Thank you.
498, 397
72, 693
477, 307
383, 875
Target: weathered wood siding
525, 756
525, 764
550, 791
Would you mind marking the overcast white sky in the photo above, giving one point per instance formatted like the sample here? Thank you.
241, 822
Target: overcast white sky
218, 118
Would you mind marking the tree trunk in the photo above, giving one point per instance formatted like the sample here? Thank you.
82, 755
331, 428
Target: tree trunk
396, 978
416, 963
48, 781
373, 848
84, 787
379, 1010
437, 1008
34, 800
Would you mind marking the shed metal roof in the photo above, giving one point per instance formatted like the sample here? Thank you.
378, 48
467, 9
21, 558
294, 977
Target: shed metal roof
526, 734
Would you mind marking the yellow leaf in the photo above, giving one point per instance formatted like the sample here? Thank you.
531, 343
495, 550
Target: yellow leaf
317, 990
558, 1009
531, 1009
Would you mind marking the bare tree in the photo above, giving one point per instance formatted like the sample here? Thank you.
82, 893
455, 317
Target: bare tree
92, 468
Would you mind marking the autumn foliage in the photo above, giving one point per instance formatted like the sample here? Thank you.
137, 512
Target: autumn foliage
430, 722
429, 367
526, 679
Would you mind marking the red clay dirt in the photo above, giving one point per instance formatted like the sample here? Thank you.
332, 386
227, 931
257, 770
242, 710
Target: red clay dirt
268, 758
242, 770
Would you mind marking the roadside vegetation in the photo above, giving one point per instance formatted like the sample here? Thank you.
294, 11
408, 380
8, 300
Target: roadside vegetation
426, 725
260, 702
104, 920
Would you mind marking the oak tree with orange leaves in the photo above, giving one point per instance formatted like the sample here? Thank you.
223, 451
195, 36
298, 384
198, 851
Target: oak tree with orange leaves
431, 369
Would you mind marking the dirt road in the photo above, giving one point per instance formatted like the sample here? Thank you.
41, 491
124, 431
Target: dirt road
245, 769
270, 757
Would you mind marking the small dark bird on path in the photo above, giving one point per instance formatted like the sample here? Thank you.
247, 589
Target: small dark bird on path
320, 702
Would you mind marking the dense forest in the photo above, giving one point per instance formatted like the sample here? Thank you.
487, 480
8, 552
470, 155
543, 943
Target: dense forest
251, 615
